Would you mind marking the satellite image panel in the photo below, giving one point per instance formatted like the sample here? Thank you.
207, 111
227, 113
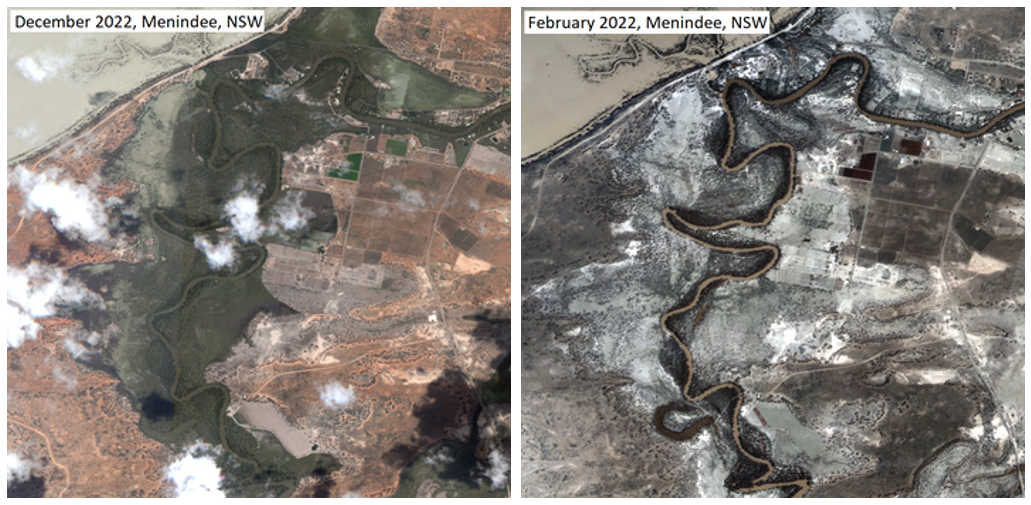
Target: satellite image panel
780, 265
271, 263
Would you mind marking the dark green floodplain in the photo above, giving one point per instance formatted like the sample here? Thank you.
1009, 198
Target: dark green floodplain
198, 144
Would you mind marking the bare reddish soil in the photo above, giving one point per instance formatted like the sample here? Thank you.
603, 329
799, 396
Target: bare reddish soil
80, 158
82, 431
406, 399
468, 46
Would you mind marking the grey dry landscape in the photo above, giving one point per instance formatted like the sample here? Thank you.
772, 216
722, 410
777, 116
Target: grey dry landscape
839, 270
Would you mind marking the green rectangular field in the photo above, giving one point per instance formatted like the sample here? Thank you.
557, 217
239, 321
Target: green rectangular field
350, 175
355, 160
397, 147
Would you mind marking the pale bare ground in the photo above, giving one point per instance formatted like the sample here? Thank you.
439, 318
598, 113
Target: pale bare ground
267, 417
489, 161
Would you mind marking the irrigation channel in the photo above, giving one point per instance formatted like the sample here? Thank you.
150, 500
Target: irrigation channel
676, 223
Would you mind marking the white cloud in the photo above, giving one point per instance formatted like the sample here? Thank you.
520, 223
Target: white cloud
195, 474
42, 66
242, 213
20, 325
409, 197
94, 338
28, 134
439, 457
69, 381
351, 494
335, 396
38, 291
81, 343
18, 469
77, 350
288, 214
220, 254
276, 91
77, 211
497, 472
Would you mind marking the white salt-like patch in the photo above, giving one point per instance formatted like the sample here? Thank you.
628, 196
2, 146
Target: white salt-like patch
852, 26
624, 227
977, 431
781, 336
632, 248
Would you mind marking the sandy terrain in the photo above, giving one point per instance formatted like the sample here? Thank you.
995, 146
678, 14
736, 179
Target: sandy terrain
470, 47
80, 158
411, 377
94, 448
405, 397
72, 420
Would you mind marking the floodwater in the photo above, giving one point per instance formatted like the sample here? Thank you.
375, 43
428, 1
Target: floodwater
267, 417
562, 100
56, 81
